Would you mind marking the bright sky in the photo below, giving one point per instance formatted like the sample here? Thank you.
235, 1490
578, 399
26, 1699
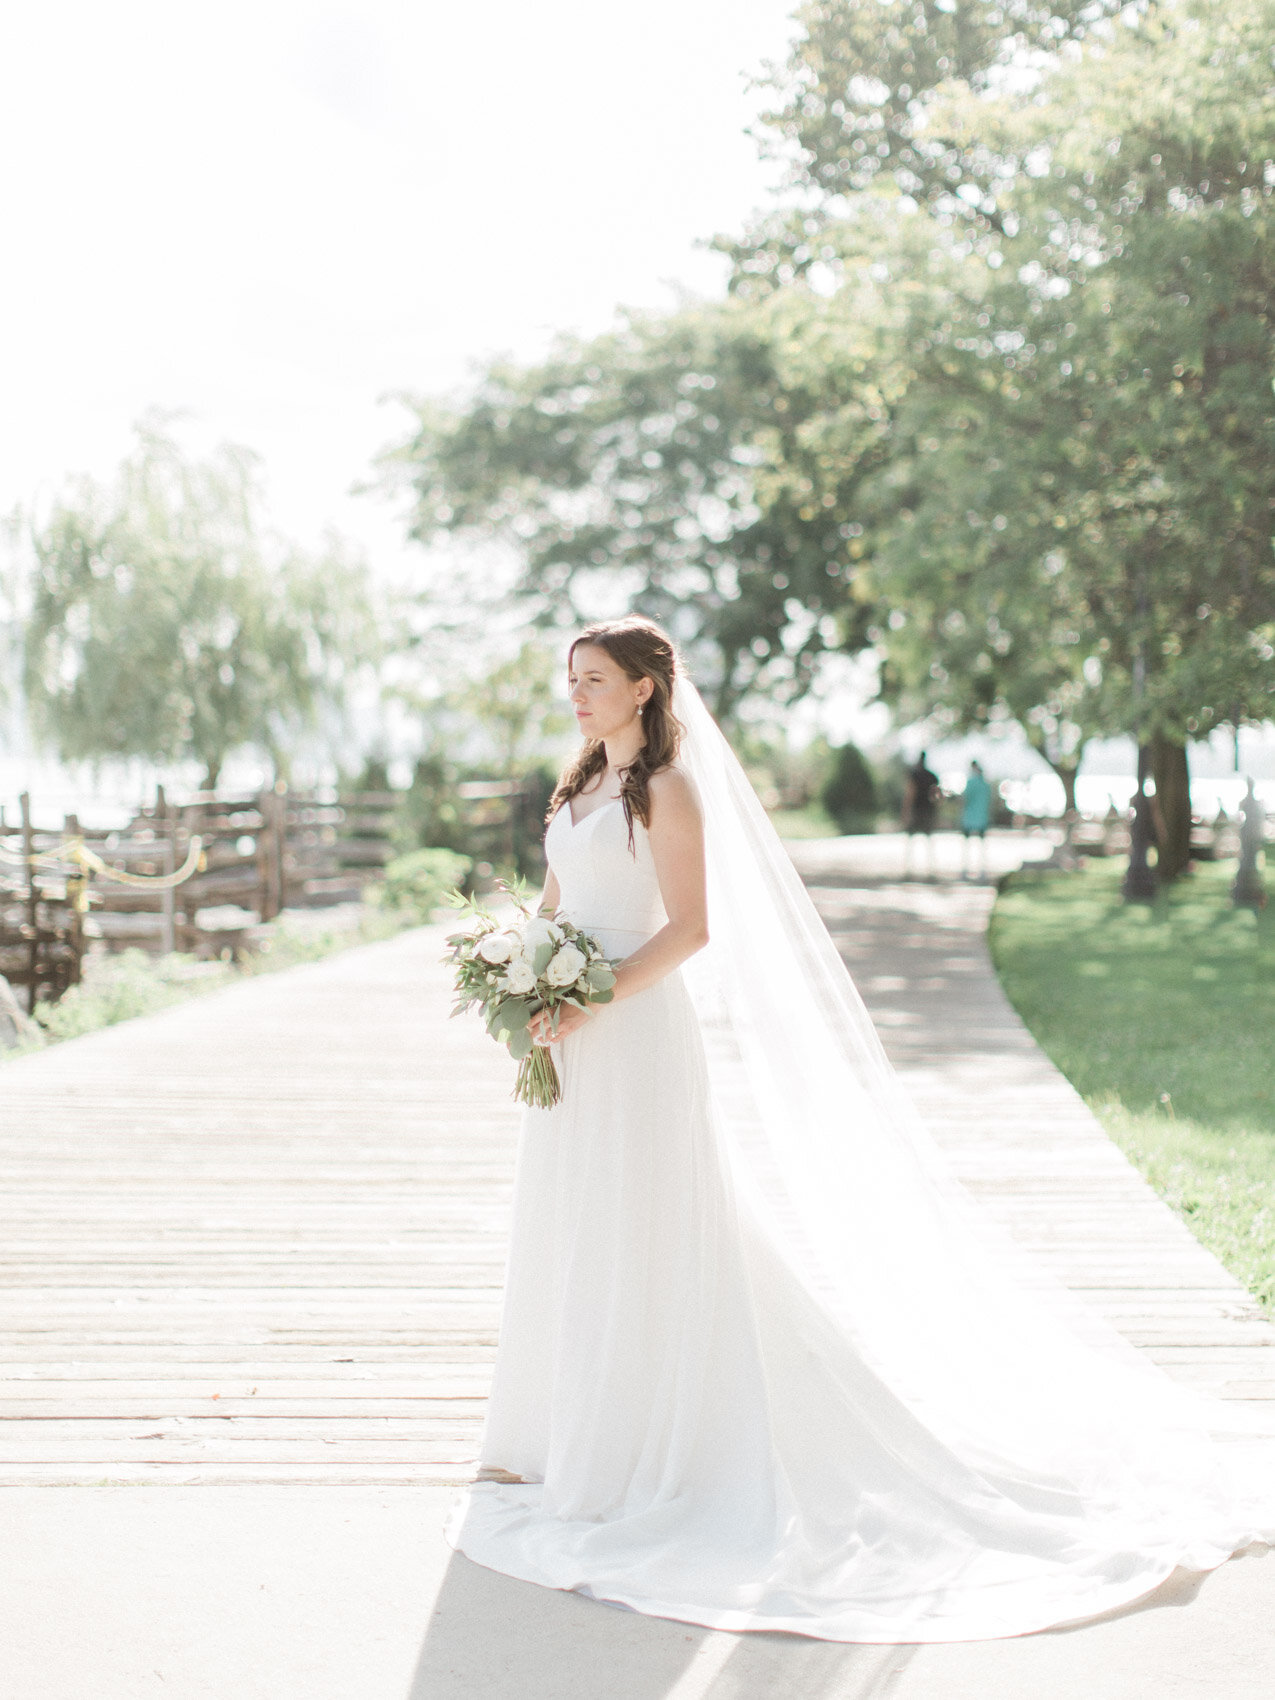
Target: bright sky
269, 215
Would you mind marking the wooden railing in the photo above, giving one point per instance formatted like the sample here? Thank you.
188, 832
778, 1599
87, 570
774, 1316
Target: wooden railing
194, 876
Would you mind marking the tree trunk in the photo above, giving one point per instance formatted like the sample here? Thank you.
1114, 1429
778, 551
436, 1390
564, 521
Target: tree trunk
1172, 807
1067, 772
280, 765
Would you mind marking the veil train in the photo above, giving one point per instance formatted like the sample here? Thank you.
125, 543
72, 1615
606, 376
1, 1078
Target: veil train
988, 1351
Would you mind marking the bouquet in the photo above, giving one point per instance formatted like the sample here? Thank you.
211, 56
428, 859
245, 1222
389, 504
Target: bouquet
513, 970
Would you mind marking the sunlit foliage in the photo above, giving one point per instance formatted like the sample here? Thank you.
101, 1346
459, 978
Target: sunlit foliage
992, 389
165, 623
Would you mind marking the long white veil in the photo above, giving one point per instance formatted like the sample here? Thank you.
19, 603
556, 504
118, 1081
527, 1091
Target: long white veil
846, 1186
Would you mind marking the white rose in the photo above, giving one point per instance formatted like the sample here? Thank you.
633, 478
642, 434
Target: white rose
539, 930
565, 966
520, 977
497, 947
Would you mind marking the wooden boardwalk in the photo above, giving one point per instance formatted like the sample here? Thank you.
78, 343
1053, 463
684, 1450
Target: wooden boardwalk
259, 1237
1017, 1133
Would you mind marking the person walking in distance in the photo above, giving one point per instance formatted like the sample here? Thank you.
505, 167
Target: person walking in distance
920, 810
976, 814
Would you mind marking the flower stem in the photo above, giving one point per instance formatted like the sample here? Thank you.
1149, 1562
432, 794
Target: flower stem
537, 1083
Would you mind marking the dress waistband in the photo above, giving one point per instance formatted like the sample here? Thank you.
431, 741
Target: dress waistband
605, 929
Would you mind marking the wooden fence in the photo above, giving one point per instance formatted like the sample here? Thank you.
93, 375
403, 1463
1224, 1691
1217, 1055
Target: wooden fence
192, 877
42, 921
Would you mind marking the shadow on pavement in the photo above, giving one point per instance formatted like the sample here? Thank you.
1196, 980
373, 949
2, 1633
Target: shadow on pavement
492, 1638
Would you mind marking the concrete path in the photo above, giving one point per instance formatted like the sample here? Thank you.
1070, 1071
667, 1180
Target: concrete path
250, 1254
348, 1593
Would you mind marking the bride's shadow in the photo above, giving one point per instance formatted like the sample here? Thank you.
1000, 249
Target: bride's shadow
492, 1638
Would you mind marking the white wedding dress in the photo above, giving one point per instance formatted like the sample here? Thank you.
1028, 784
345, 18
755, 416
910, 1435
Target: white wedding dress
716, 1425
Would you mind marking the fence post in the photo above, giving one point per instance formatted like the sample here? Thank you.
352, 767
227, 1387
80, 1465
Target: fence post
267, 856
76, 891
279, 828
33, 903
166, 821
271, 850
186, 904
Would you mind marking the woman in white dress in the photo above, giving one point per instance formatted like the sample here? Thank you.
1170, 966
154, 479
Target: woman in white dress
762, 1364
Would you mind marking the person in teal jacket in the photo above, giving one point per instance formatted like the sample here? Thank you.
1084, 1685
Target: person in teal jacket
976, 814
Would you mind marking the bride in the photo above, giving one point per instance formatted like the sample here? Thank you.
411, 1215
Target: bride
763, 1365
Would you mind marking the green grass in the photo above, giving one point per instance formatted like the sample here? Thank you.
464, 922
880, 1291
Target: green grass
811, 822
1163, 1018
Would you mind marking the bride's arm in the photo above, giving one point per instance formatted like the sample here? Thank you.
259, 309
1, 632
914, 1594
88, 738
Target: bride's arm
551, 896
676, 834
677, 842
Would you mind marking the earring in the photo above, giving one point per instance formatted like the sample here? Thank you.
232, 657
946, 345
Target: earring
639, 708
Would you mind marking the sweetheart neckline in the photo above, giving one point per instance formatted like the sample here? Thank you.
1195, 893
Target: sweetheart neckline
575, 824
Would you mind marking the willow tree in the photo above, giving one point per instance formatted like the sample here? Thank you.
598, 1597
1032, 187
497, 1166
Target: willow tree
166, 623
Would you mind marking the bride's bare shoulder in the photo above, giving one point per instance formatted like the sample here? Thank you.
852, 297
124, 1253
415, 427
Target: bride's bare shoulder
673, 794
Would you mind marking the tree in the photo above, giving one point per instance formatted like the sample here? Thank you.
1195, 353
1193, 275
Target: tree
12, 595
1082, 462
164, 623
517, 708
850, 792
994, 394
866, 98
676, 466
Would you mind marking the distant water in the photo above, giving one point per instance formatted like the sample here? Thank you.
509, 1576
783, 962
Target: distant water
108, 796
1042, 794
1107, 774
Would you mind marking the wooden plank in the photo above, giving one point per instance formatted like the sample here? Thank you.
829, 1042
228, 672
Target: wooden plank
252, 1205
260, 1238
1016, 1133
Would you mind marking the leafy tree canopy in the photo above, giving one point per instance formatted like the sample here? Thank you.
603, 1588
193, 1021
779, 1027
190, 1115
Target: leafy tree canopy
992, 389
680, 466
1082, 462
165, 623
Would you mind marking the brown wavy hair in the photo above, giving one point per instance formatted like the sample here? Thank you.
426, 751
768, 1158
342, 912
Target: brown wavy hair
642, 650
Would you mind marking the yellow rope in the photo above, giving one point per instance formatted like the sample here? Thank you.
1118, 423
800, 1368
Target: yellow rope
60, 853
76, 850
89, 859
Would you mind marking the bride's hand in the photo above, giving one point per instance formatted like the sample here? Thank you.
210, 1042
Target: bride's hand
569, 1019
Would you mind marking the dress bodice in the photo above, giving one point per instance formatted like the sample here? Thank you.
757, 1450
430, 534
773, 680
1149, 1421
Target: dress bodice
605, 886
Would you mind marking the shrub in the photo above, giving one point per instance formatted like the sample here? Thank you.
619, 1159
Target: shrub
430, 812
417, 884
850, 791
117, 988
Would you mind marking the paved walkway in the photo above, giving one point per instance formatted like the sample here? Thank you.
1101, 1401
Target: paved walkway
250, 1254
